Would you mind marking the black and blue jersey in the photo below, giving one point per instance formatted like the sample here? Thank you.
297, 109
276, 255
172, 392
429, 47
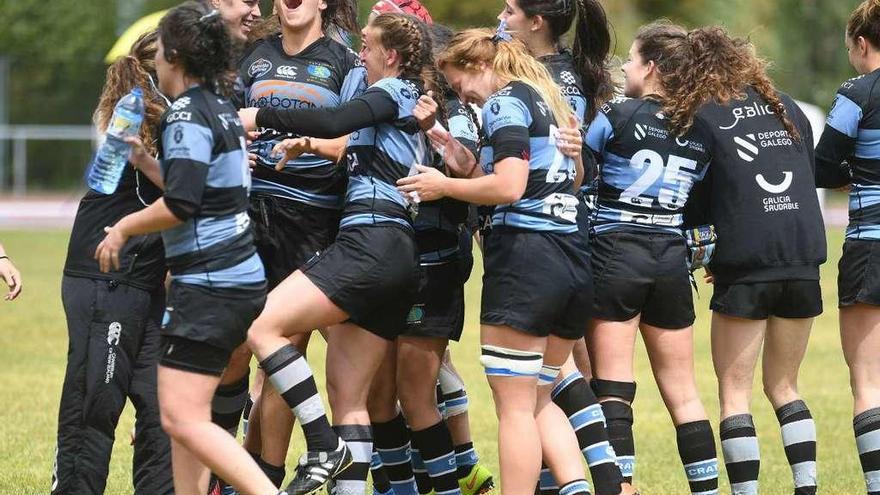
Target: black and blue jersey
207, 178
385, 142
852, 135
439, 223
645, 173
324, 74
518, 123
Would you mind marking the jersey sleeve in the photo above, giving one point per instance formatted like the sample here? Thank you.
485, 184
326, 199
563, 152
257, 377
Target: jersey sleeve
187, 144
355, 81
506, 120
462, 127
600, 132
838, 141
375, 106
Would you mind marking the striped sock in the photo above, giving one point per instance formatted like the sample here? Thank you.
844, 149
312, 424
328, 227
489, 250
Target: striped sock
867, 430
289, 372
576, 399
577, 487
423, 480
392, 444
466, 458
799, 439
739, 444
381, 483
438, 454
353, 479
546, 482
228, 403
696, 447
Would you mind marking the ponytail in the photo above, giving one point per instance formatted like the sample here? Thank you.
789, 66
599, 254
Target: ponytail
592, 43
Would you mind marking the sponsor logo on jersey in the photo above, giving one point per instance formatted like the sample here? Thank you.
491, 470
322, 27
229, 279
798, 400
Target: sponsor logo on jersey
181, 103
567, 77
178, 134
495, 108
287, 71
179, 115
320, 71
259, 68
748, 148
747, 112
640, 132
406, 93
543, 108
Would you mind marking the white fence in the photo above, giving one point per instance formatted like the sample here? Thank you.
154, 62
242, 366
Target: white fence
19, 135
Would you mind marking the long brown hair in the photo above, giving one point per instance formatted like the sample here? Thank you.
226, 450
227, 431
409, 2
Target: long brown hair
702, 65
509, 60
865, 22
126, 73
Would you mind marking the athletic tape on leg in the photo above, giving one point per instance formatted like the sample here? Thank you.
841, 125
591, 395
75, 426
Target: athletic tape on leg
500, 361
548, 374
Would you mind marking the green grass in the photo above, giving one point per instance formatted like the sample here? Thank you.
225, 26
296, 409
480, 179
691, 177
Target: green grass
33, 345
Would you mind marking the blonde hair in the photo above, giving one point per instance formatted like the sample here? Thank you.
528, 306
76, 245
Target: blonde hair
509, 61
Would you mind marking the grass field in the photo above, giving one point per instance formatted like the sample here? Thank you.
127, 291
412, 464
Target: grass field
33, 345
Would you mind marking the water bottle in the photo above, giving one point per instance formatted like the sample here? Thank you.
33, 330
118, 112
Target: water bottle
109, 161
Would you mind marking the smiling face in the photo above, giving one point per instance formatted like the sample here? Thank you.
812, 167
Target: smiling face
373, 55
472, 86
239, 15
298, 15
636, 71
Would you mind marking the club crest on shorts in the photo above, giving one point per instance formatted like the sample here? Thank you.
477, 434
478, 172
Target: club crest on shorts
416, 314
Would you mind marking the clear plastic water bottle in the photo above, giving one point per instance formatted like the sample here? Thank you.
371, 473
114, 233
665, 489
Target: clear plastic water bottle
109, 161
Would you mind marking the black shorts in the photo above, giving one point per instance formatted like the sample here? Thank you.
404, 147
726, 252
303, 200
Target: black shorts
371, 273
212, 322
761, 300
438, 310
858, 278
288, 233
537, 282
642, 273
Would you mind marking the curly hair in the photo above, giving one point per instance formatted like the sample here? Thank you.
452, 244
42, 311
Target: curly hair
865, 22
134, 70
703, 65
591, 46
509, 60
195, 36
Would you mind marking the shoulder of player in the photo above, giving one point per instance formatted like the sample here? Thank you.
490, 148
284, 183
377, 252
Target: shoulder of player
193, 106
860, 89
402, 91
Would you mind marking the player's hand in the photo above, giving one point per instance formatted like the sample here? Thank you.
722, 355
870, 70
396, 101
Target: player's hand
139, 157
12, 277
429, 184
425, 111
107, 253
569, 141
459, 160
248, 118
291, 149
707, 276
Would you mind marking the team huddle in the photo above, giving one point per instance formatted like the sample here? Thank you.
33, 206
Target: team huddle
283, 184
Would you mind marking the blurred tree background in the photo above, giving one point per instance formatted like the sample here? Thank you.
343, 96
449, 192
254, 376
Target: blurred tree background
56, 53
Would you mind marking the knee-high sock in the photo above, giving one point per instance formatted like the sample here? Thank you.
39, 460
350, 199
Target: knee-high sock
391, 441
228, 404
739, 443
291, 375
619, 418
799, 439
438, 454
696, 446
353, 479
381, 483
867, 429
576, 399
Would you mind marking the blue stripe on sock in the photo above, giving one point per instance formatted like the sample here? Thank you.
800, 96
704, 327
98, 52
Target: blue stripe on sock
441, 465
627, 465
506, 372
702, 470
575, 487
547, 481
467, 458
565, 382
587, 416
599, 453
394, 457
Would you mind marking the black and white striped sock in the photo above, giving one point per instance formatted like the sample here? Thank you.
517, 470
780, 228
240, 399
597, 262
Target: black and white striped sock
799, 440
291, 375
867, 430
353, 479
739, 443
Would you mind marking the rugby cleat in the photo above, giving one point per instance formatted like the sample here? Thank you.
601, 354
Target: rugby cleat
478, 481
315, 469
